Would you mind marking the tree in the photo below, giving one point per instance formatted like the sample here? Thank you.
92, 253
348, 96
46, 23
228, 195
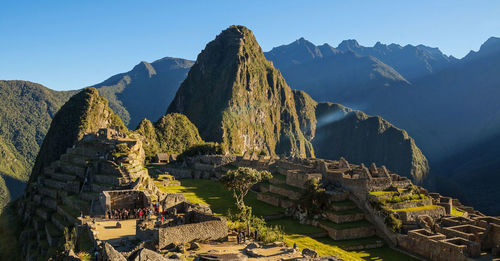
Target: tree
314, 197
241, 180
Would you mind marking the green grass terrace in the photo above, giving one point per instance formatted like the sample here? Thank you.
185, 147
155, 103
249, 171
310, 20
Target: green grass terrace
306, 236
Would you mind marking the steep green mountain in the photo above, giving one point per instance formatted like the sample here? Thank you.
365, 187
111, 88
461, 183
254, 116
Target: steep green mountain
251, 107
172, 133
85, 112
26, 110
236, 97
146, 90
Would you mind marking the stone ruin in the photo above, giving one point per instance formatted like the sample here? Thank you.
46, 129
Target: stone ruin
428, 223
124, 199
185, 223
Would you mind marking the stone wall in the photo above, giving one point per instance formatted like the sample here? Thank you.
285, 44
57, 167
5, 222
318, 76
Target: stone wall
411, 216
349, 233
429, 246
294, 195
129, 199
209, 230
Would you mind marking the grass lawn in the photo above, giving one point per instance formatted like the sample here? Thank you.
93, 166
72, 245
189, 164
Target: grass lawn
416, 208
292, 226
361, 223
320, 247
456, 212
383, 253
217, 197
214, 194
350, 242
288, 187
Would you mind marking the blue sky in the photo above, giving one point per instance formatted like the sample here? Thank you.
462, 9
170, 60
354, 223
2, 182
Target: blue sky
73, 44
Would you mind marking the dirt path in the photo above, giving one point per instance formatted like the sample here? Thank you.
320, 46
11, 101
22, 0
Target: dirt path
231, 246
107, 230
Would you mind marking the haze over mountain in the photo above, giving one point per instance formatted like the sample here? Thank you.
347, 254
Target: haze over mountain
252, 108
449, 106
450, 110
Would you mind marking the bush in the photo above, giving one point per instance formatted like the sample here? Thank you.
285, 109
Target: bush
208, 148
244, 219
314, 198
393, 223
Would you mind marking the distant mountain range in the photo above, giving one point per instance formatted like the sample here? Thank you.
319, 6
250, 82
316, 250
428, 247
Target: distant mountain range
450, 106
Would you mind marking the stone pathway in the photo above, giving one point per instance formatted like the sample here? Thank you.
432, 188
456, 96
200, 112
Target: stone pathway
268, 253
106, 230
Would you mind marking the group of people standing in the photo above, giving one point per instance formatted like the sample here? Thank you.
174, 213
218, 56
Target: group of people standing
140, 213
241, 236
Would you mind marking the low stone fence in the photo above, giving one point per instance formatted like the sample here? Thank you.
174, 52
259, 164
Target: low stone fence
345, 218
348, 233
410, 204
411, 216
208, 230
294, 195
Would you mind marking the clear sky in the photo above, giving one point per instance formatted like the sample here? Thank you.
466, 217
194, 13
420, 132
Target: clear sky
73, 44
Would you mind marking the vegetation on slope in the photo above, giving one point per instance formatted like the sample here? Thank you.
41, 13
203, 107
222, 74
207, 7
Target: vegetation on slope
86, 112
26, 110
250, 107
146, 90
342, 132
172, 133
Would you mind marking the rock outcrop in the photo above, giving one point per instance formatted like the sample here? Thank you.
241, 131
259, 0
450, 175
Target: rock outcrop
235, 96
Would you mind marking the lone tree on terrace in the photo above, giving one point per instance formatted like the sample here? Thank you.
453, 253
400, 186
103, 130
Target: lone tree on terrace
241, 180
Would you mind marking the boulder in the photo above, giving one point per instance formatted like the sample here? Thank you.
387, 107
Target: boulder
278, 244
194, 246
110, 254
146, 254
252, 253
309, 253
252, 245
221, 257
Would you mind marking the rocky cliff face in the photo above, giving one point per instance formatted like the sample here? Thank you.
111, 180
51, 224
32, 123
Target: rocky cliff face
85, 112
236, 97
172, 133
337, 131
342, 132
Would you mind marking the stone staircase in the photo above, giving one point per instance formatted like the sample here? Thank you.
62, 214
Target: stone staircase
344, 222
71, 186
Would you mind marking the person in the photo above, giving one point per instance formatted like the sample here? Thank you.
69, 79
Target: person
238, 237
295, 245
256, 235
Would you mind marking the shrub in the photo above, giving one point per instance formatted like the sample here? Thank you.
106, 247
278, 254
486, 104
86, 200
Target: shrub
314, 198
393, 223
208, 148
244, 219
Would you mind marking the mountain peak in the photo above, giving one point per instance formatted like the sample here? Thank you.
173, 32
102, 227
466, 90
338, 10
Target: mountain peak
251, 108
144, 68
349, 44
491, 45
